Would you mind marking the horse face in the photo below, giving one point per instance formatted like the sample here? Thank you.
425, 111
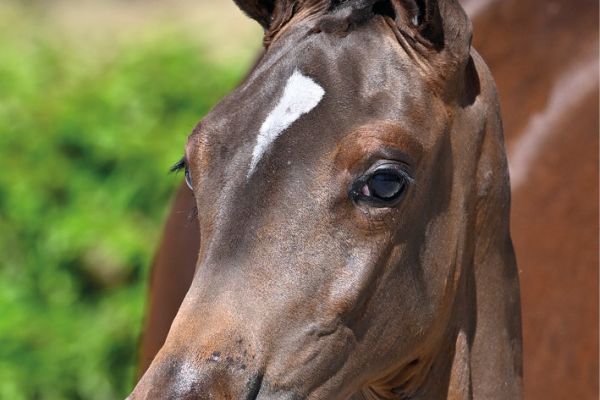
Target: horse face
333, 189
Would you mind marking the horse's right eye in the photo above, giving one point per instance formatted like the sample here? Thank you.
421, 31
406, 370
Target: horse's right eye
188, 178
183, 165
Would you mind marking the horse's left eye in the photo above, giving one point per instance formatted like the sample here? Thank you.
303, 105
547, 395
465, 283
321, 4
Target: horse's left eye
383, 186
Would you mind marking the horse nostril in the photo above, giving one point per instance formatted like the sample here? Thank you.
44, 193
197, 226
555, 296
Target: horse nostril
254, 386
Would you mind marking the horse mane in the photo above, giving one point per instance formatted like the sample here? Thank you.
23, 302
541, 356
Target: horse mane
285, 10
356, 11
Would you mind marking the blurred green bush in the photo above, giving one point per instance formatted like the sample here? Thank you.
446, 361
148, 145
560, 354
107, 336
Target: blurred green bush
86, 140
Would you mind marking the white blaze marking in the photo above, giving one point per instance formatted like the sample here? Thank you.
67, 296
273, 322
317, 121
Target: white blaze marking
300, 96
573, 88
186, 379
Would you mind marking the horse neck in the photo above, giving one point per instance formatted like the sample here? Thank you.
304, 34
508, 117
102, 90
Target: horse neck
481, 355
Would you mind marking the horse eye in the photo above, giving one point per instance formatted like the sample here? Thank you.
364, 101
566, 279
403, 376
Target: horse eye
188, 178
183, 165
382, 187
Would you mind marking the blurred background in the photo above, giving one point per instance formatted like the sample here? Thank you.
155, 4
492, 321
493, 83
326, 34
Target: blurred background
96, 100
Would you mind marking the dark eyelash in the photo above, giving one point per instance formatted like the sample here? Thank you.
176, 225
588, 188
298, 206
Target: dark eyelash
179, 165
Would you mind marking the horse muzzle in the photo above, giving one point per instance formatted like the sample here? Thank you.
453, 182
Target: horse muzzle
214, 379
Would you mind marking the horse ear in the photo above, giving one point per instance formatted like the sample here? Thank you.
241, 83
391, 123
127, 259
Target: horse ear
440, 31
443, 24
440, 24
259, 10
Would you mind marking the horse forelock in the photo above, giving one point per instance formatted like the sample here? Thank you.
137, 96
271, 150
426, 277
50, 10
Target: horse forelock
441, 57
342, 15
286, 10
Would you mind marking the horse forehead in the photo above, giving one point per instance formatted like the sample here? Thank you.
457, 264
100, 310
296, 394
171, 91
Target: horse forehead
300, 96
278, 94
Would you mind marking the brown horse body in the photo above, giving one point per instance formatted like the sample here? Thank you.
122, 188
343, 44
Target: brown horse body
548, 90
544, 57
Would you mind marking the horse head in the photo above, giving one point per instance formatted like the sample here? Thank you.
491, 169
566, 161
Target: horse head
353, 200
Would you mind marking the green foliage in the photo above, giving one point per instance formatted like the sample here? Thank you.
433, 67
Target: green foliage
86, 140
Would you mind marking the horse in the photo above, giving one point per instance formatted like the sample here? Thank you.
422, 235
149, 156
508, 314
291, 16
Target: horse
544, 134
353, 217
546, 68
559, 317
